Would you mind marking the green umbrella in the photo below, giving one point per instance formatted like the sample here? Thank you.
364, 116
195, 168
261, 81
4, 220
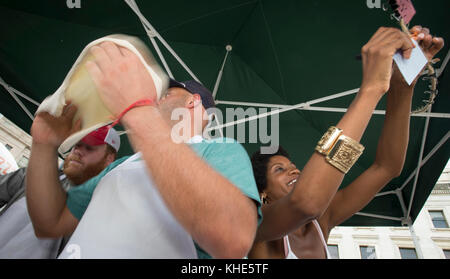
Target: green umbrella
260, 54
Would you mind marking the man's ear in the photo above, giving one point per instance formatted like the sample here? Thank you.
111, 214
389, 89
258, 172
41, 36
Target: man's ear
110, 158
194, 101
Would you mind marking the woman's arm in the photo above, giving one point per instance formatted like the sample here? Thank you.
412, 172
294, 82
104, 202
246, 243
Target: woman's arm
319, 181
392, 146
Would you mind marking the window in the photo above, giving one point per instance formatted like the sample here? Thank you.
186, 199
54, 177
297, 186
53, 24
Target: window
447, 254
408, 253
368, 252
334, 251
9, 147
23, 162
438, 219
443, 186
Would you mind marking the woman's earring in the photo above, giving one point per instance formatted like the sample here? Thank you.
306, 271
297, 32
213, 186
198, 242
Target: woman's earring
264, 198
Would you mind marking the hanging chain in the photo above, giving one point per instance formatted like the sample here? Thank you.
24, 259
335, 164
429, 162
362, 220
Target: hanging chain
429, 74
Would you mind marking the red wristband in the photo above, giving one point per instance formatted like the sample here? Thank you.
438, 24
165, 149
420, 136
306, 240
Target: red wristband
140, 103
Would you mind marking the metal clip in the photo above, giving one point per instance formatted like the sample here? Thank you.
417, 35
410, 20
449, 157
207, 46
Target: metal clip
393, 16
435, 60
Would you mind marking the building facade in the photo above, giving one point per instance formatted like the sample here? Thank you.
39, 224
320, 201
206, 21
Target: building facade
17, 141
431, 229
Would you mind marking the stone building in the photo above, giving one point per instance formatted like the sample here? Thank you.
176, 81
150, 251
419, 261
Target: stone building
431, 229
17, 141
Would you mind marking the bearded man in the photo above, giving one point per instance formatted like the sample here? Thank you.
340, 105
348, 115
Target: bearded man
86, 160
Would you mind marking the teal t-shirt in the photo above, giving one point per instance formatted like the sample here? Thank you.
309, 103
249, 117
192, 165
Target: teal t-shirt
230, 159
226, 156
78, 197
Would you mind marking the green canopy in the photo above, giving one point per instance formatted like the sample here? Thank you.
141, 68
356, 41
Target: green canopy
281, 53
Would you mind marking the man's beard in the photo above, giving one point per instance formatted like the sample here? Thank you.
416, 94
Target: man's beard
85, 172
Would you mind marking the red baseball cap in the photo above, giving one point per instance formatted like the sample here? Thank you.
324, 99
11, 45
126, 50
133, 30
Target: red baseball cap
103, 135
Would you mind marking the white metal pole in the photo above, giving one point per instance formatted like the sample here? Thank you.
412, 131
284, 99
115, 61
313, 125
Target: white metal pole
160, 55
305, 106
24, 96
425, 160
419, 164
327, 109
399, 195
135, 8
278, 111
444, 64
385, 193
380, 112
416, 239
8, 89
308, 103
17, 92
378, 216
150, 34
219, 76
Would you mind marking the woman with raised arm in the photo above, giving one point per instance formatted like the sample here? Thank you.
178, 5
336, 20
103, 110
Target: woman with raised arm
287, 233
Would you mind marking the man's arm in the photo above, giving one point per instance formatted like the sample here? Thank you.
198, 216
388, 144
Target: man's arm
319, 181
392, 145
46, 199
207, 204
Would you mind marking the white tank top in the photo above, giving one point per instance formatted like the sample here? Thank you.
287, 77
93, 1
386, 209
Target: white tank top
287, 247
128, 218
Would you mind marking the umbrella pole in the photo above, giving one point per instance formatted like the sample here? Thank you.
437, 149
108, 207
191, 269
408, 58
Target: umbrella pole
148, 27
415, 239
155, 45
409, 222
219, 76
379, 216
419, 164
13, 95
435, 148
443, 65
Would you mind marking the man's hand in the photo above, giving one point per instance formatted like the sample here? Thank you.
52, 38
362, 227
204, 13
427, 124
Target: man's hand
377, 57
50, 130
120, 77
430, 46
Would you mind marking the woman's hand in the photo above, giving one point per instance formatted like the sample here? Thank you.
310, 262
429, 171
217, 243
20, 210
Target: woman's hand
430, 46
377, 58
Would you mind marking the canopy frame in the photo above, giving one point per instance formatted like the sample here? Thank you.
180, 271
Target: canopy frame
279, 108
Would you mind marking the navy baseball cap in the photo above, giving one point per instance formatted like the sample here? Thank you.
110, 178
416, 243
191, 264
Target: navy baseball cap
195, 87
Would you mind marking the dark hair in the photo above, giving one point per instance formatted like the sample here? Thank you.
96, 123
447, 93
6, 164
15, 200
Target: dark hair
259, 164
